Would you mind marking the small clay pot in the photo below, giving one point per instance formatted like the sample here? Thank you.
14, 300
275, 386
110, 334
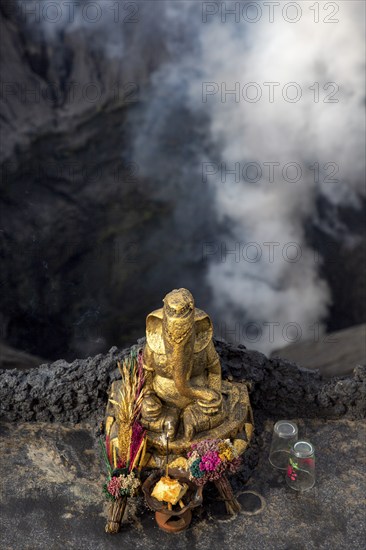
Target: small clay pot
173, 523
177, 519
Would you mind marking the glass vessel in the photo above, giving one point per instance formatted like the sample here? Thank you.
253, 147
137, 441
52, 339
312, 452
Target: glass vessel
284, 436
301, 467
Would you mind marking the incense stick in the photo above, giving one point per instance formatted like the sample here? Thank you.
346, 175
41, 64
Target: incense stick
167, 455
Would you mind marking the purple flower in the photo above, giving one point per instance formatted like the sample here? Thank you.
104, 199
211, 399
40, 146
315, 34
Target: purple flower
210, 461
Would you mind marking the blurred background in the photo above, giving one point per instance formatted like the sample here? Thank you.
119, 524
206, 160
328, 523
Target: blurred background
217, 146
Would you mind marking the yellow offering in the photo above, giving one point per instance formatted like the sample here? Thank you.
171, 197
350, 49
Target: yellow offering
169, 490
181, 463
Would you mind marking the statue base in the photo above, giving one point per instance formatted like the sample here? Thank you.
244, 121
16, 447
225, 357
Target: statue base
237, 425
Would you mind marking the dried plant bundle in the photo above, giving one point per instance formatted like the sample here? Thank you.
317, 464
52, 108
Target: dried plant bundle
128, 409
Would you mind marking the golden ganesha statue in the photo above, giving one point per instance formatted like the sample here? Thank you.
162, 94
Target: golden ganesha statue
185, 396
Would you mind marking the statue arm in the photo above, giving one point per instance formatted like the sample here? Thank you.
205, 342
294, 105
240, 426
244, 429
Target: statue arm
148, 364
151, 405
213, 368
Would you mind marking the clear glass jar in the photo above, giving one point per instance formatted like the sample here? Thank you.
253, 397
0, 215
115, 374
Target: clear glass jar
284, 436
301, 467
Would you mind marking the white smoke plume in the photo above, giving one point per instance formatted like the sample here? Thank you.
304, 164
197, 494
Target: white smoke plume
261, 270
305, 132
269, 292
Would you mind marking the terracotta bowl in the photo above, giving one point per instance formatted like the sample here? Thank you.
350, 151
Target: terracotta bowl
177, 519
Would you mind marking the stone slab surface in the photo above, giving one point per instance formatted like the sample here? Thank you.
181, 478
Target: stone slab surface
51, 496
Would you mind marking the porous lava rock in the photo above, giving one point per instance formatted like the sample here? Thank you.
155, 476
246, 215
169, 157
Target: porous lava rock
77, 391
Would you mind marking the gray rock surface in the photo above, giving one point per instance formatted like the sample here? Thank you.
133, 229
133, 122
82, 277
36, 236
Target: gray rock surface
63, 392
52, 473
51, 499
11, 358
335, 354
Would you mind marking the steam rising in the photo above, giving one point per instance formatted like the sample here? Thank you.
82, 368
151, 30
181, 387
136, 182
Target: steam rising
251, 284
271, 281
304, 132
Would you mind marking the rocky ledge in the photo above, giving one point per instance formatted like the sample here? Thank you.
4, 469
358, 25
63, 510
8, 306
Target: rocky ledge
77, 392
52, 472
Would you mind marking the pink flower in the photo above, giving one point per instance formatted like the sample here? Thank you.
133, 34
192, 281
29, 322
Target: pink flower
210, 461
291, 473
114, 487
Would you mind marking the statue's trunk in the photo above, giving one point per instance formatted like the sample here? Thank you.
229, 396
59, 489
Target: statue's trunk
181, 358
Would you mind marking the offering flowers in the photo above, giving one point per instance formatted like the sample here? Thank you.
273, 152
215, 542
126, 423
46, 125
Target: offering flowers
122, 484
124, 455
211, 460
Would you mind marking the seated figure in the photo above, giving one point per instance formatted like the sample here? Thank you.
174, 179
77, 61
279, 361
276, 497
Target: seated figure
182, 369
185, 396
